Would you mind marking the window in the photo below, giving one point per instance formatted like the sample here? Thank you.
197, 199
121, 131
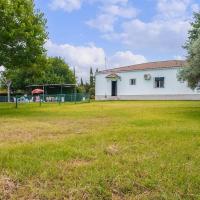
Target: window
132, 81
159, 82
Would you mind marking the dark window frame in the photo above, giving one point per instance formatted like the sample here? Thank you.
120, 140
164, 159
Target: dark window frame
132, 81
159, 82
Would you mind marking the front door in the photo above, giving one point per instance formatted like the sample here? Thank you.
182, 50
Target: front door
114, 88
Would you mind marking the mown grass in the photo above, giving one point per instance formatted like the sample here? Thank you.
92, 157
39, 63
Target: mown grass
101, 150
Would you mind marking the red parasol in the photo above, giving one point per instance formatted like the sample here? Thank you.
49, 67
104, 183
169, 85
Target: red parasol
38, 91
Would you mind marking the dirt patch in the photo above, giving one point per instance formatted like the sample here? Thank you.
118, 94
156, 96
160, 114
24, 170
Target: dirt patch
112, 150
78, 163
7, 187
26, 130
116, 195
73, 163
77, 194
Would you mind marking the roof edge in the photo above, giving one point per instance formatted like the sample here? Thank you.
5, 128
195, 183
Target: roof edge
116, 68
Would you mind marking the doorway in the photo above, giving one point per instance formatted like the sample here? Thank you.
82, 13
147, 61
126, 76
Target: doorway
114, 88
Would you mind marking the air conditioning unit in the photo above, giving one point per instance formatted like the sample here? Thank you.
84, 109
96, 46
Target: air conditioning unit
147, 77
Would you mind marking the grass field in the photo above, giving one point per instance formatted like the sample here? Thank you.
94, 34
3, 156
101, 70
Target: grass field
102, 150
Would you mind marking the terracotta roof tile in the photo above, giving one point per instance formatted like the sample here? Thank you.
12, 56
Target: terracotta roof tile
145, 66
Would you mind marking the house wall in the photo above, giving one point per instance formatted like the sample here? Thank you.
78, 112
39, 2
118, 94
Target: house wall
144, 89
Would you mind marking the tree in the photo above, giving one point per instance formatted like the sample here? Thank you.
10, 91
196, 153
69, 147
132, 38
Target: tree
191, 72
22, 34
22, 77
55, 70
82, 82
91, 77
194, 33
81, 87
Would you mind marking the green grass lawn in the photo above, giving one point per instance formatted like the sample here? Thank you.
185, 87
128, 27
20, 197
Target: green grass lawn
102, 150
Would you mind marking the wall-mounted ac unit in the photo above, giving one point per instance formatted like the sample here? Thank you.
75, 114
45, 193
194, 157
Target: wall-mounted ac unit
147, 77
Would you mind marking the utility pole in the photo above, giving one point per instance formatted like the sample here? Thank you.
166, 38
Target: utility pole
105, 62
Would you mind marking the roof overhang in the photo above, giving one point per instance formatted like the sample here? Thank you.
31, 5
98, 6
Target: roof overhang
113, 76
159, 65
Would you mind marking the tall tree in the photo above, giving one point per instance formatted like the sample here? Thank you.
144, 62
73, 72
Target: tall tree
92, 84
91, 77
22, 34
191, 72
82, 82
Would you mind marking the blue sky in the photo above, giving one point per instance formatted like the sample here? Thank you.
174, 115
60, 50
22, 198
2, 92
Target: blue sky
126, 32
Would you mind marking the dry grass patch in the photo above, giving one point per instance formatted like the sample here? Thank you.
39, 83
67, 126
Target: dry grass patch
112, 149
20, 131
7, 187
73, 163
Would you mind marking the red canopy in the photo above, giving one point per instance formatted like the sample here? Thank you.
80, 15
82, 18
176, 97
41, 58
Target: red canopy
37, 91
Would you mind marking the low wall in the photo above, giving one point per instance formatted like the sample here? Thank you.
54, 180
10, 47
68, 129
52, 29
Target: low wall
149, 97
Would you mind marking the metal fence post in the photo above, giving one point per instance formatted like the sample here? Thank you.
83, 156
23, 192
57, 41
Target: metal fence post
59, 99
16, 102
75, 95
40, 101
89, 97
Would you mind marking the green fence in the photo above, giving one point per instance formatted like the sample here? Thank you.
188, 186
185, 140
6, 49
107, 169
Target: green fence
3, 99
48, 98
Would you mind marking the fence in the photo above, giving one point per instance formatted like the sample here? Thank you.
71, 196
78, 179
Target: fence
47, 98
3, 99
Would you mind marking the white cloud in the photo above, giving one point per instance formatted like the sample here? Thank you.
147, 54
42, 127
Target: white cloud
80, 57
116, 10
195, 7
173, 8
156, 36
179, 57
103, 23
66, 5
110, 14
107, 2
70, 5
84, 57
164, 34
124, 58
110, 11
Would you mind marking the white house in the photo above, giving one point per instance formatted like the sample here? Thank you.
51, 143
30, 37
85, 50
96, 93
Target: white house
147, 81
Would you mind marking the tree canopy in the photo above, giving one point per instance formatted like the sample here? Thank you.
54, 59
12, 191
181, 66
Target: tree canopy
191, 72
55, 70
22, 34
22, 53
194, 32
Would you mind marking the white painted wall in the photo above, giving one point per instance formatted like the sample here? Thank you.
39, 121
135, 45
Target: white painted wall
144, 87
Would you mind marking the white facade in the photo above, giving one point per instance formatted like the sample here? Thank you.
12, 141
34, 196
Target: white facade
173, 89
